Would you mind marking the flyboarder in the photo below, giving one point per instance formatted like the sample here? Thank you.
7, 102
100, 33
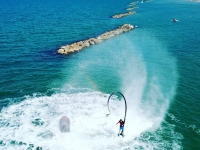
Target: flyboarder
121, 127
121, 122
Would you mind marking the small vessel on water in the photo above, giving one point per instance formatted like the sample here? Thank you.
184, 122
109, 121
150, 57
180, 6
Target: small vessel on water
174, 20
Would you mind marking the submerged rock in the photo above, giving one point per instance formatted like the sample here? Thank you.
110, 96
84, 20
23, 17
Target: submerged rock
77, 46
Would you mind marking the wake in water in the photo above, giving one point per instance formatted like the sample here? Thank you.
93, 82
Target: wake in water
35, 123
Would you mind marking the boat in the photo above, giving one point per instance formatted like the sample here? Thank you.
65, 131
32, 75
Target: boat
174, 20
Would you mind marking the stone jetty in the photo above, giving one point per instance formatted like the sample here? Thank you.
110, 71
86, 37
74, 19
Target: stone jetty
77, 46
130, 6
124, 14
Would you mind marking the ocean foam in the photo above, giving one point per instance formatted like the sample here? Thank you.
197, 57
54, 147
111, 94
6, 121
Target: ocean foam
36, 121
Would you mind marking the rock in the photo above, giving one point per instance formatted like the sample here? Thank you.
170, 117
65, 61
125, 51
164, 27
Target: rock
76, 46
86, 43
129, 8
92, 41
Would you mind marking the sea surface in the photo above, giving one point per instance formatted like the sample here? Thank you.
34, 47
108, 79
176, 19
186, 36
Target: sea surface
156, 66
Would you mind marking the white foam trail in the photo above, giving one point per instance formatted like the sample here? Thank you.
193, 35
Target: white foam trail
87, 113
90, 128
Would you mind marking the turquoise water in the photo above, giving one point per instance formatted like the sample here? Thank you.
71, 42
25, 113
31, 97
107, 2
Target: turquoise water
156, 66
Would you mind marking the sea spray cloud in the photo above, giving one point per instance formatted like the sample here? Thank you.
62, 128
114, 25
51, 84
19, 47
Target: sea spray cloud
147, 86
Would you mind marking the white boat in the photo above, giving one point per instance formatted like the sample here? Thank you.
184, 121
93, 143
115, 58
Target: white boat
174, 20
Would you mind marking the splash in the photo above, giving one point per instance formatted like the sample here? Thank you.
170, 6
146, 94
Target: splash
38, 119
147, 80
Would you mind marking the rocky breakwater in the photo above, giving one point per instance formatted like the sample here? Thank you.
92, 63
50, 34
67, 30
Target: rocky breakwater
124, 14
131, 7
77, 46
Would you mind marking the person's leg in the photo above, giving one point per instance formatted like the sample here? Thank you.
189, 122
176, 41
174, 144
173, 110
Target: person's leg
122, 132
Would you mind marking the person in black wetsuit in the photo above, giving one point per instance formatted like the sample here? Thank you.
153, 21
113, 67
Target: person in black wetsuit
121, 127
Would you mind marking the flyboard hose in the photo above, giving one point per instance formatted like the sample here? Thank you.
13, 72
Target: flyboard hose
124, 101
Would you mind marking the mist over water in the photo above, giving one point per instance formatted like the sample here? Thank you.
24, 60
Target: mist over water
148, 87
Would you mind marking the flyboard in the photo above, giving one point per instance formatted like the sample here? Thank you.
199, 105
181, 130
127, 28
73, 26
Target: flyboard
125, 108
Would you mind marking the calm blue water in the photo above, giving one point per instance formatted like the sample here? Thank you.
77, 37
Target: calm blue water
156, 66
